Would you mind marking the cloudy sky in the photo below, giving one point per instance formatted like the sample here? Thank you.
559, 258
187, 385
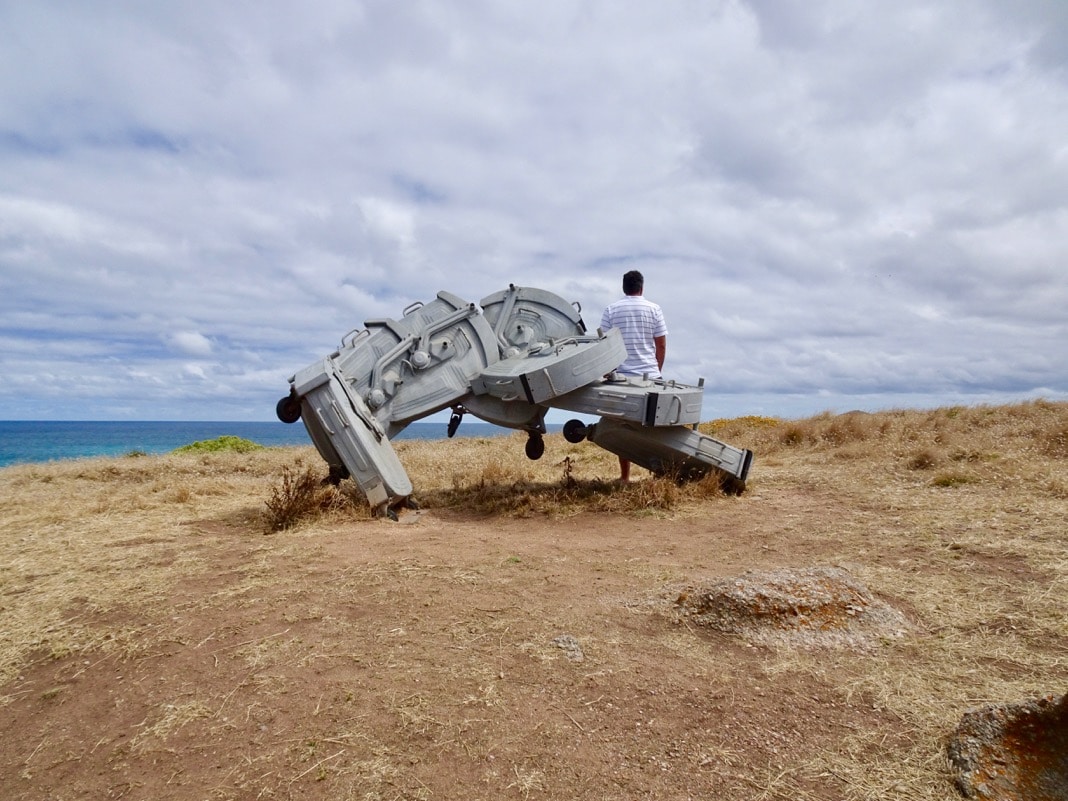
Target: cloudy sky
839, 205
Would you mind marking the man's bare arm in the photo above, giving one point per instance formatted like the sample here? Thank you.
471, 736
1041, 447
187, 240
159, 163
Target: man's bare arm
660, 343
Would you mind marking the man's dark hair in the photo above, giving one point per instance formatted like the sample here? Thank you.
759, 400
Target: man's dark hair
633, 282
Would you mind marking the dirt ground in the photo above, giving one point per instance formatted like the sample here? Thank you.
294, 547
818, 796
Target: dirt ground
450, 656
416, 660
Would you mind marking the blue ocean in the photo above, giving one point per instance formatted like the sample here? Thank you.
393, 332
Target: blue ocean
25, 441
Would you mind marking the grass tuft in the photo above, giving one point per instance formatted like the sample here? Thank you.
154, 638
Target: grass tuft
952, 479
1055, 442
923, 460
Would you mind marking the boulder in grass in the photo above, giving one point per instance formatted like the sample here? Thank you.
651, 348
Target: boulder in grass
1012, 752
817, 607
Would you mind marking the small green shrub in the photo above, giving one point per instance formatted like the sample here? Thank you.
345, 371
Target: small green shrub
224, 444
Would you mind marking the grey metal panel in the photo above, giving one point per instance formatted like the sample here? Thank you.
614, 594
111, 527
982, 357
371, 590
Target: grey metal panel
651, 403
356, 437
312, 376
409, 368
508, 414
552, 370
319, 437
672, 449
674, 405
623, 401
524, 317
454, 358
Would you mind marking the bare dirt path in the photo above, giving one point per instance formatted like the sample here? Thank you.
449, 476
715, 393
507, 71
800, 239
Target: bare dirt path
427, 659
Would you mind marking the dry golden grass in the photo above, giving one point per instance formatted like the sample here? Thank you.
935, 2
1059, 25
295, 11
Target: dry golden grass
955, 516
492, 476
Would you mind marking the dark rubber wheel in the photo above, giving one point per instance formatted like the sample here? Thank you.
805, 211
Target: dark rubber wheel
535, 446
288, 409
454, 423
574, 431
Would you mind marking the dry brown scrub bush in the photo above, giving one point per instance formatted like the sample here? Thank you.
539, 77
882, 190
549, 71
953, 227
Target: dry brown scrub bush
1056, 442
301, 494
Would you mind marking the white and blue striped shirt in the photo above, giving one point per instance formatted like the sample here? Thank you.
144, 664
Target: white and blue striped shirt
639, 320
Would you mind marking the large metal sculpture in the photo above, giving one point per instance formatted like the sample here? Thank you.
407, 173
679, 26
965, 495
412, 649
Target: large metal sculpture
507, 361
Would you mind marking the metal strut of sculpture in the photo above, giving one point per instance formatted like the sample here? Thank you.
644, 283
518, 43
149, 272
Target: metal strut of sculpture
507, 361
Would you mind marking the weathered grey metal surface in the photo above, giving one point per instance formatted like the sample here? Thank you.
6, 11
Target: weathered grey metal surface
671, 450
649, 402
525, 351
553, 369
350, 438
407, 369
524, 317
507, 414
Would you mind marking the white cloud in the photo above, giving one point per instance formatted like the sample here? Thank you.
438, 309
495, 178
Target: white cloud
191, 343
833, 204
